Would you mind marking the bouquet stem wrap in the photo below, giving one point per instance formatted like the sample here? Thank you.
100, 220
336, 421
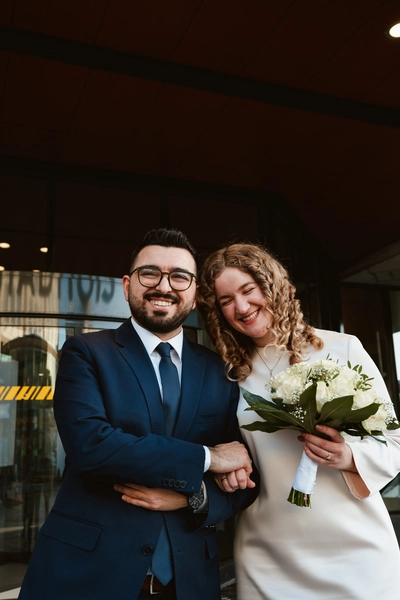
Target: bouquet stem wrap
304, 482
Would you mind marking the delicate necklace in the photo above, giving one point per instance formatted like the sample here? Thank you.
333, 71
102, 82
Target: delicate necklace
269, 368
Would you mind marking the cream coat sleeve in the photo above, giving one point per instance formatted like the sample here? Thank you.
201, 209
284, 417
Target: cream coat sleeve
377, 463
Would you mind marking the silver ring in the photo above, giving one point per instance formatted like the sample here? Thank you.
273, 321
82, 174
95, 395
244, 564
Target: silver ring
328, 457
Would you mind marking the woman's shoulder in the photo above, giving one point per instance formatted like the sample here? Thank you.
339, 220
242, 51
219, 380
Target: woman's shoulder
335, 339
337, 336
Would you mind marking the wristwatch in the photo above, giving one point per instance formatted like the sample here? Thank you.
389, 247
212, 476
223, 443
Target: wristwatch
196, 499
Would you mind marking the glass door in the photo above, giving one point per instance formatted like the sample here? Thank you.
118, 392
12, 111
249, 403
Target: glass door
31, 454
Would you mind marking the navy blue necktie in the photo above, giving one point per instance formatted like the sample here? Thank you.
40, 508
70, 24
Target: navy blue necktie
162, 559
170, 386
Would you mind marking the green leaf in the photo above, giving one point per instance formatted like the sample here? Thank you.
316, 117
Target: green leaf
361, 414
382, 441
281, 418
355, 429
334, 423
272, 416
267, 406
252, 399
276, 415
309, 405
336, 409
263, 426
376, 432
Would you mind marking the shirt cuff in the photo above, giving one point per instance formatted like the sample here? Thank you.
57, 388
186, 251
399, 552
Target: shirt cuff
207, 460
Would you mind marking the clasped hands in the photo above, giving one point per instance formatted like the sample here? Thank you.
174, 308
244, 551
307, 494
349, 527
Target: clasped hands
230, 464
229, 474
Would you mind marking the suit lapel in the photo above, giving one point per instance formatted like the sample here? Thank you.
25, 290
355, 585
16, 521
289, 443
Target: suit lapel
135, 354
193, 369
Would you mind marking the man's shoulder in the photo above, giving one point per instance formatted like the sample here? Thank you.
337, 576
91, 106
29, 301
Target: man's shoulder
210, 355
200, 348
92, 338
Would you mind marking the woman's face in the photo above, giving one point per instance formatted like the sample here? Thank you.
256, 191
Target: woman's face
243, 305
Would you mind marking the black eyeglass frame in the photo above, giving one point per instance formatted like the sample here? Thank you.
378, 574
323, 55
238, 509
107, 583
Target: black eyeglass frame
162, 274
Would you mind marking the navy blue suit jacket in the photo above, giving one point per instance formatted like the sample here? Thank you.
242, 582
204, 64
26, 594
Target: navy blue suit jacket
109, 414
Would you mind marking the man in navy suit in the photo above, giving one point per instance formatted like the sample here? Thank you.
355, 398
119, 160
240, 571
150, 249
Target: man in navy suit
108, 406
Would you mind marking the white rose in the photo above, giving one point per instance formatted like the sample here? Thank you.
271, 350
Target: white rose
277, 380
364, 398
343, 384
287, 388
323, 394
376, 422
330, 365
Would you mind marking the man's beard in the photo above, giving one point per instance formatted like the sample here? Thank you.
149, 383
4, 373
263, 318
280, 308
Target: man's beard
158, 322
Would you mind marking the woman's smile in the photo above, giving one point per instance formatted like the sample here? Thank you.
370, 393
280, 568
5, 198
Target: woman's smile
251, 317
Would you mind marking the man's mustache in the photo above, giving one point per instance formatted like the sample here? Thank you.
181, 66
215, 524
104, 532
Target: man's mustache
159, 296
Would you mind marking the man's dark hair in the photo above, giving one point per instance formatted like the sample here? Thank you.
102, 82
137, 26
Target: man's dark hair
169, 238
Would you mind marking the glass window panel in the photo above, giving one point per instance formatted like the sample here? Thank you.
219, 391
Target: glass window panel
31, 453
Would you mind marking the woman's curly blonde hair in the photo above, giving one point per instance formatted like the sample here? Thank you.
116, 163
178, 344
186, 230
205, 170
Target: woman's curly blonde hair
291, 332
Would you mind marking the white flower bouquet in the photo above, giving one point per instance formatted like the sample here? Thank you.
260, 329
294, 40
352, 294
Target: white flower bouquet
320, 393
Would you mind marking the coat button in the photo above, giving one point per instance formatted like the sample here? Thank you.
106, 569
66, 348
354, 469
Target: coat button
147, 550
180, 484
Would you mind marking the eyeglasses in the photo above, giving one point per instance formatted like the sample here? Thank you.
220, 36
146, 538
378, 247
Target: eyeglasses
179, 280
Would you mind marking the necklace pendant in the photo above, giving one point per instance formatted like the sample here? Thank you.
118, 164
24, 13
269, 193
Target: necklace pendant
268, 367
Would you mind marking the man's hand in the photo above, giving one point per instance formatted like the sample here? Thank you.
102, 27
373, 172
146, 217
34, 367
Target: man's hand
150, 498
230, 457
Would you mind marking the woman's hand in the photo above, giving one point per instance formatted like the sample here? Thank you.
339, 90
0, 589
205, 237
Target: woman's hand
150, 498
234, 480
333, 453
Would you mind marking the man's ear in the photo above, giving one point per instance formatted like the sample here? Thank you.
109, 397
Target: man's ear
195, 297
125, 284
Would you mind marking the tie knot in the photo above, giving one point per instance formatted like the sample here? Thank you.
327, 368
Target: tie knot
164, 349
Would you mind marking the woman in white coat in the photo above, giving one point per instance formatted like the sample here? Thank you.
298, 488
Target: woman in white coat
344, 547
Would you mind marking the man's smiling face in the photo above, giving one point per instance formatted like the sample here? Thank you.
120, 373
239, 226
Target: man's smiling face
161, 309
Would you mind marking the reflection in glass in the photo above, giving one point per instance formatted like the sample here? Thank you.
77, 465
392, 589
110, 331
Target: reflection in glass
31, 455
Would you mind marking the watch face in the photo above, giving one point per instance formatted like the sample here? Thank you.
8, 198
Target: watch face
196, 500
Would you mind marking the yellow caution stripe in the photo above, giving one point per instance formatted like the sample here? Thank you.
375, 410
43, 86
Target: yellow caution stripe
26, 392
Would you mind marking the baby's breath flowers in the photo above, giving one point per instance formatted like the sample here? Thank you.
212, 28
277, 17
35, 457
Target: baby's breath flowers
320, 393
